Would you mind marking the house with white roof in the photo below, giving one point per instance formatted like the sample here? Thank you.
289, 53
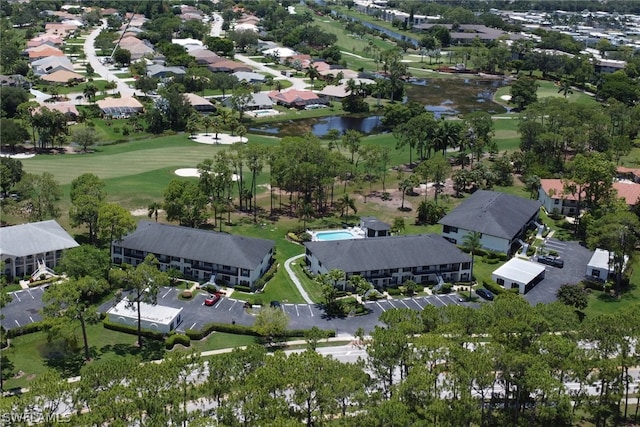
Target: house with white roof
23, 246
519, 273
601, 265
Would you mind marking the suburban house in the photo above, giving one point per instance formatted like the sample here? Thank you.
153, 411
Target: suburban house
51, 65
554, 199
552, 196
63, 77
235, 260
42, 51
249, 76
392, 260
258, 101
203, 56
48, 39
222, 65
295, 98
158, 71
501, 219
120, 107
200, 104
519, 273
67, 108
466, 33
23, 246
157, 318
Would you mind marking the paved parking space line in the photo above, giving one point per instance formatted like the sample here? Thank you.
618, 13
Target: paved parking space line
310, 311
390, 301
416, 302
194, 324
405, 304
297, 312
16, 323
383, 309
16, 295
454, 300
232, 304
31, 318
167, 293
31, 295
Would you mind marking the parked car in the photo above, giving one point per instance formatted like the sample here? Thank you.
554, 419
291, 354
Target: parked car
485, 293
551, 260
212, 300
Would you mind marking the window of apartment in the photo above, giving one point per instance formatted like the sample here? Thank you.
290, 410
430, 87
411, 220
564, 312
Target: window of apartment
556, 201
466, 265
443, 266
117, 250
244, 272
595, 272
449, 229
500, 281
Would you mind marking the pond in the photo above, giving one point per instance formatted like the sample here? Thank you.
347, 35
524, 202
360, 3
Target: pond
444, 97
320, 126
455, 97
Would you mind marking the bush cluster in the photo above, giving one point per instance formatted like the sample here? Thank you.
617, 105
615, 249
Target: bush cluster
174, 339
243, 330
24, 330
267, 276
242, 288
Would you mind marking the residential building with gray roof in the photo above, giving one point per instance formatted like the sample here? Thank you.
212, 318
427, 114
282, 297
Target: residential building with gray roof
501, 219
390, 261
198, 254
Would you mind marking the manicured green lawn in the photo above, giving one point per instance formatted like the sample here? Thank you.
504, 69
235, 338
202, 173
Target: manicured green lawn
548, 89
219, 340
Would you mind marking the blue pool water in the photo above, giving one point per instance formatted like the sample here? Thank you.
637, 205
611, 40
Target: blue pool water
333, 235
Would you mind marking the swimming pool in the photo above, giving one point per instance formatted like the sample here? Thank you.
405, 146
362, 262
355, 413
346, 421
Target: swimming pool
330, 235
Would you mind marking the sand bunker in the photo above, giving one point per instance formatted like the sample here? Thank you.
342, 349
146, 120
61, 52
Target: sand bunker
18, 156
506, 97
193, 173
223, 139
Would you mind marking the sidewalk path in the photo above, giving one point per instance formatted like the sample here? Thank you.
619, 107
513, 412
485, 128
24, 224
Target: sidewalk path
295, 280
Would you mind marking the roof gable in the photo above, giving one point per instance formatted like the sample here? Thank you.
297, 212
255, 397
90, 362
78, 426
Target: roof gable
196, 244
34, 238
493, 213
381, 253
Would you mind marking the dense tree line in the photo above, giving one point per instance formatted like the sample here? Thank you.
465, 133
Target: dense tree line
505, 364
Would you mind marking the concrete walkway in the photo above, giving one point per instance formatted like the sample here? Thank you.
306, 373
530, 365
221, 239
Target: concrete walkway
295, 280
296, 82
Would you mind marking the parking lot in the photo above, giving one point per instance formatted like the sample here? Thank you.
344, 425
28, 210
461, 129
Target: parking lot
575, 258
24, 308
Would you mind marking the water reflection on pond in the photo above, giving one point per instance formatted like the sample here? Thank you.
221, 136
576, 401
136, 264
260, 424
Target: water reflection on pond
443, 97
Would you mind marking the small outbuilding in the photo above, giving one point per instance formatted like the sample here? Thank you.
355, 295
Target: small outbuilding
373, 227
519, 273
600, 266
158, 318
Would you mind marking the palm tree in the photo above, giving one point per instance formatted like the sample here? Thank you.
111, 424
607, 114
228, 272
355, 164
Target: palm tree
313, 73
89, 92
207, 121
241, 131
154, 208
192, 124
278, 85
472, 243
333, 135
345, 202
305, 212
565, 88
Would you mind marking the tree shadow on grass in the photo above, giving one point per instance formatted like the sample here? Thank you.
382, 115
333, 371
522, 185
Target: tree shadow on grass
62, 358
151, 350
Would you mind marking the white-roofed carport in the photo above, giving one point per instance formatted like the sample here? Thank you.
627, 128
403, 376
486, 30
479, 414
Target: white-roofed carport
519, 273
157, 318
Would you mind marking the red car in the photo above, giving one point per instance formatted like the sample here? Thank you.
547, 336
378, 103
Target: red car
212, 300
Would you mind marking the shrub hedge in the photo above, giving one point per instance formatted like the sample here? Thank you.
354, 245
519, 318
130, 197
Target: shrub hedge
493, 287
26, 329
242, 330
132, 330
242, 288
394, 291
174, 339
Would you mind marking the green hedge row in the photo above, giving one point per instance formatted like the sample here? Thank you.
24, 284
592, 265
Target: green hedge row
242, 330
241, 288
132, 330
174, 339
493, 287
26, 329
394, 291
